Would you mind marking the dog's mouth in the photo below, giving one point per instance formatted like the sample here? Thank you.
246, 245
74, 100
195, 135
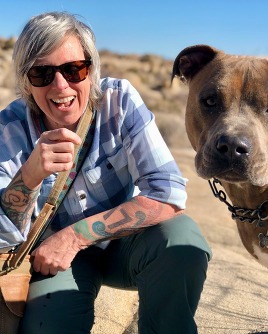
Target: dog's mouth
231, 171
227, 174
232, 176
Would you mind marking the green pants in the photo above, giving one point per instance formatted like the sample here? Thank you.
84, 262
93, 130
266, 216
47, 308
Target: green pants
166, 263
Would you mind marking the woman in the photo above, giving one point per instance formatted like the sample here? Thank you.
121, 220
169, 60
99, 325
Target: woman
122, 222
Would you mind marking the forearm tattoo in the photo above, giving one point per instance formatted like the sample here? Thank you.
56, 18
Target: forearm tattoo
18, 202
126, 219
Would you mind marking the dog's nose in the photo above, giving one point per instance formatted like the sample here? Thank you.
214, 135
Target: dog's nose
233, 147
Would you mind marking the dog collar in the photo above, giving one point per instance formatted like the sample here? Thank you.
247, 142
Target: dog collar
251, 216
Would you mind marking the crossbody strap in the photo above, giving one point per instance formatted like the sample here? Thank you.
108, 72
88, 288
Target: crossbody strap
61, 188
85, 130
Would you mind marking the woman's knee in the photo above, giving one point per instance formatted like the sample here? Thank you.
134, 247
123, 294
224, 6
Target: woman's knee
178, 231
64, 302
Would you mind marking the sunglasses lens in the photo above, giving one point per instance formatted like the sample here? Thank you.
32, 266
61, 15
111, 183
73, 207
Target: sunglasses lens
40, 76
75, 71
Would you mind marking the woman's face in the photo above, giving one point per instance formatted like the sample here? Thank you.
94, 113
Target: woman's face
62, 102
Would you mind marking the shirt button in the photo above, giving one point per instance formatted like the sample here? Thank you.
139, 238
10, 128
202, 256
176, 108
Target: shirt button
82, 196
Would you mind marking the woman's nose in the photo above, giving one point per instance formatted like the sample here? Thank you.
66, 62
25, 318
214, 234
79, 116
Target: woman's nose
59, 81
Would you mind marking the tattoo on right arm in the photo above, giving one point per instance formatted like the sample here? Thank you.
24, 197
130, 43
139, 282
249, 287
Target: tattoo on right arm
18, 202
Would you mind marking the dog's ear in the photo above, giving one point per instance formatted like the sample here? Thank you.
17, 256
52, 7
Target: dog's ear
190, 60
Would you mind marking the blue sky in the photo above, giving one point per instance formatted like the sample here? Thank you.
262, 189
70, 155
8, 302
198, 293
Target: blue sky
159, 27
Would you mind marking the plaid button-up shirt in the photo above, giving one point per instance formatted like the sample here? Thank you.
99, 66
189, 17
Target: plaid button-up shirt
127, 157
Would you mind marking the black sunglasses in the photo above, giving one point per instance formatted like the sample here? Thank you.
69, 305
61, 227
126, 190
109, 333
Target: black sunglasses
74, 71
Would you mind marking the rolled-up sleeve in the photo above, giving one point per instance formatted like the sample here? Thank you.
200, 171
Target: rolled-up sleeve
9, 234
150, 161
153, 168
15, 145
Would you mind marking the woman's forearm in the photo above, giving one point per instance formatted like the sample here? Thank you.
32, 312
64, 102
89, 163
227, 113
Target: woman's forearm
126, 219
58, 251
18, 201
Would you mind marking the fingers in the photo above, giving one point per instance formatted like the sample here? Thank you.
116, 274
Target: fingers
46, 267
56, 153
55, 253
53, 153
57, 147
61, 135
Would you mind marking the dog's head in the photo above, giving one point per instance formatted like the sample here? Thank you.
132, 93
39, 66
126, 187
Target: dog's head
227, 113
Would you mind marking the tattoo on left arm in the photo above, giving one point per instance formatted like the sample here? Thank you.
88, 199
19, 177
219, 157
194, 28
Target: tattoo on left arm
128, 218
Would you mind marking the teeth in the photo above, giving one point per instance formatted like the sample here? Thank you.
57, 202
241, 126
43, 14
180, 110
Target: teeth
64, 100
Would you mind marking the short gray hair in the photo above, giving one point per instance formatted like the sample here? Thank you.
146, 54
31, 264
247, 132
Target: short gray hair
41, 36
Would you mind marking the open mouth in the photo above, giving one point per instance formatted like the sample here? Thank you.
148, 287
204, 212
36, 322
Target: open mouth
65, 102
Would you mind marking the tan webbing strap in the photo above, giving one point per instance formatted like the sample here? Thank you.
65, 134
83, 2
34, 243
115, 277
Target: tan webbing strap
81, 130
50, 205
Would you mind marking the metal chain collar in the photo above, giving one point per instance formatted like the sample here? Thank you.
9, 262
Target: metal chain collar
251, 216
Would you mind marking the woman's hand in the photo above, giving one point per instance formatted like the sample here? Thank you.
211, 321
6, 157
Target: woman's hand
56, 253
53, 153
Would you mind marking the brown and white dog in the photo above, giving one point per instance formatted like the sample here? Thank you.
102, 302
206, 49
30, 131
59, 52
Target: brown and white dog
227, 125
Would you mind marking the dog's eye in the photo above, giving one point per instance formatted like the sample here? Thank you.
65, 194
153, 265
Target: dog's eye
210, 101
